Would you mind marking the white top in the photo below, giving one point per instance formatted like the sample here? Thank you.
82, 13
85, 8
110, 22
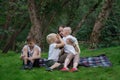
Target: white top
71, 37
69, 48
53, 52
30, 52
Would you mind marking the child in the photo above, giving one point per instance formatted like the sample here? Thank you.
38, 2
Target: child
54, 46
30, 54
71, 48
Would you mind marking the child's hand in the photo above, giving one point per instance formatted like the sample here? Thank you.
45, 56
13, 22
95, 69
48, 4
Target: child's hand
22, 56
58, 36
30, 58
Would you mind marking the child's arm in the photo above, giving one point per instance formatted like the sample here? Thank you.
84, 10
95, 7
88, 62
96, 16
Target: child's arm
61, 44
36, 54
24, 52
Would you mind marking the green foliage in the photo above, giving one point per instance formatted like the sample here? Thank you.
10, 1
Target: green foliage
19, 46
17, 12
110, 35
53, 13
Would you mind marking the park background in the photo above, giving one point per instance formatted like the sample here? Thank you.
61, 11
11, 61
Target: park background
95, 23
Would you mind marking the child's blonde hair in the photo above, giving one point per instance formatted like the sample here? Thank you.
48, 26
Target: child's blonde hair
68, 29
50, 38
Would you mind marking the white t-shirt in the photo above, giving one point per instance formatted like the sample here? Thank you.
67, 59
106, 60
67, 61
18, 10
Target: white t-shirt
71, 37
53, 52
69, 48
30, 52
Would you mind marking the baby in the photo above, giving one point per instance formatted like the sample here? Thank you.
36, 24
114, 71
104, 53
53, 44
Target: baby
71, 48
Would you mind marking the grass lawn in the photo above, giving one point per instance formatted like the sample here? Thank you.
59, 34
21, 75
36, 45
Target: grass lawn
10, 68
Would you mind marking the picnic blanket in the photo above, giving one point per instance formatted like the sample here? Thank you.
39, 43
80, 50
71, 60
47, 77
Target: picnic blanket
95, 61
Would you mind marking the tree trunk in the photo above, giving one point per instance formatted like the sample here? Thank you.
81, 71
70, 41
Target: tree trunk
9, 43
5, 27
103, 15
75, 30
8, 20
35, 30
12, 38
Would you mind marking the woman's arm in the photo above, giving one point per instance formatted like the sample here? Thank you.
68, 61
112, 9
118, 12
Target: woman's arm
77, 48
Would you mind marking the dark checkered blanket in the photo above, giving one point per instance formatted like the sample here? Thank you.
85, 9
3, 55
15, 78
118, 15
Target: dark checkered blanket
95, 61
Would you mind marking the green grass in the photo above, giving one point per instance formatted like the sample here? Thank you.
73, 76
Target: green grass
10, 68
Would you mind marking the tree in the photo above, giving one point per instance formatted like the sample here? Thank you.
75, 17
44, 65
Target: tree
8, 20
41, 22
35, 30
75, 30
14, 25
12, 38
99, 24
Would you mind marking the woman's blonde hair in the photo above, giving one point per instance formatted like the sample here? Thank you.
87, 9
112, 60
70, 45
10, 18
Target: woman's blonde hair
50, 38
